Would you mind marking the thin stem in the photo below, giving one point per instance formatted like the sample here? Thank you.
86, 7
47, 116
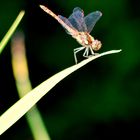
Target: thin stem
11, 31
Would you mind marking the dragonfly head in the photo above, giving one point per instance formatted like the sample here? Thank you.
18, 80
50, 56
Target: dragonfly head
96, 45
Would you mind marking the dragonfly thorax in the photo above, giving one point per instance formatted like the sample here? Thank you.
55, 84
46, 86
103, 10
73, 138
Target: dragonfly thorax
86, 40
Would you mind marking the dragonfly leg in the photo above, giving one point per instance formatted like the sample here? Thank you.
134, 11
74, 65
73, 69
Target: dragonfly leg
76, 51
91, 50
86, 52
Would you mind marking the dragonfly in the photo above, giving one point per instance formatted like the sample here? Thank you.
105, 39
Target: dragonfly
79, 27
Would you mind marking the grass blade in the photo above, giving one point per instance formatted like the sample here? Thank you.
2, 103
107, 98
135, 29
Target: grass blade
23, 84
16, 111
11, 31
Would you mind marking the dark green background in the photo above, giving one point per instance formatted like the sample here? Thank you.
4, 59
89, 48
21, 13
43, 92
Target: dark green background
99, 101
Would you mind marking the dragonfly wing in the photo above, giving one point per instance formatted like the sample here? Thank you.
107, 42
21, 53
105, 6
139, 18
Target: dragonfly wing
66, 21
77, 19
91, 19
78, 9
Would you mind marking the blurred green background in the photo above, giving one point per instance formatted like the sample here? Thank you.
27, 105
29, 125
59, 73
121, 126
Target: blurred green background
101, 100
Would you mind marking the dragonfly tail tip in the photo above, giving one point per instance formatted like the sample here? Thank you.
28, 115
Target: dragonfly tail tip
42, 6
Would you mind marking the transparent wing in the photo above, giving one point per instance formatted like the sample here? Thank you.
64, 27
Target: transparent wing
77, 19
91, 19
78, 9
67, 22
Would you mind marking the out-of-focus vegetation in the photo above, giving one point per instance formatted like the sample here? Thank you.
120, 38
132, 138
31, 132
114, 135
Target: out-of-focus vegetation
99, 101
